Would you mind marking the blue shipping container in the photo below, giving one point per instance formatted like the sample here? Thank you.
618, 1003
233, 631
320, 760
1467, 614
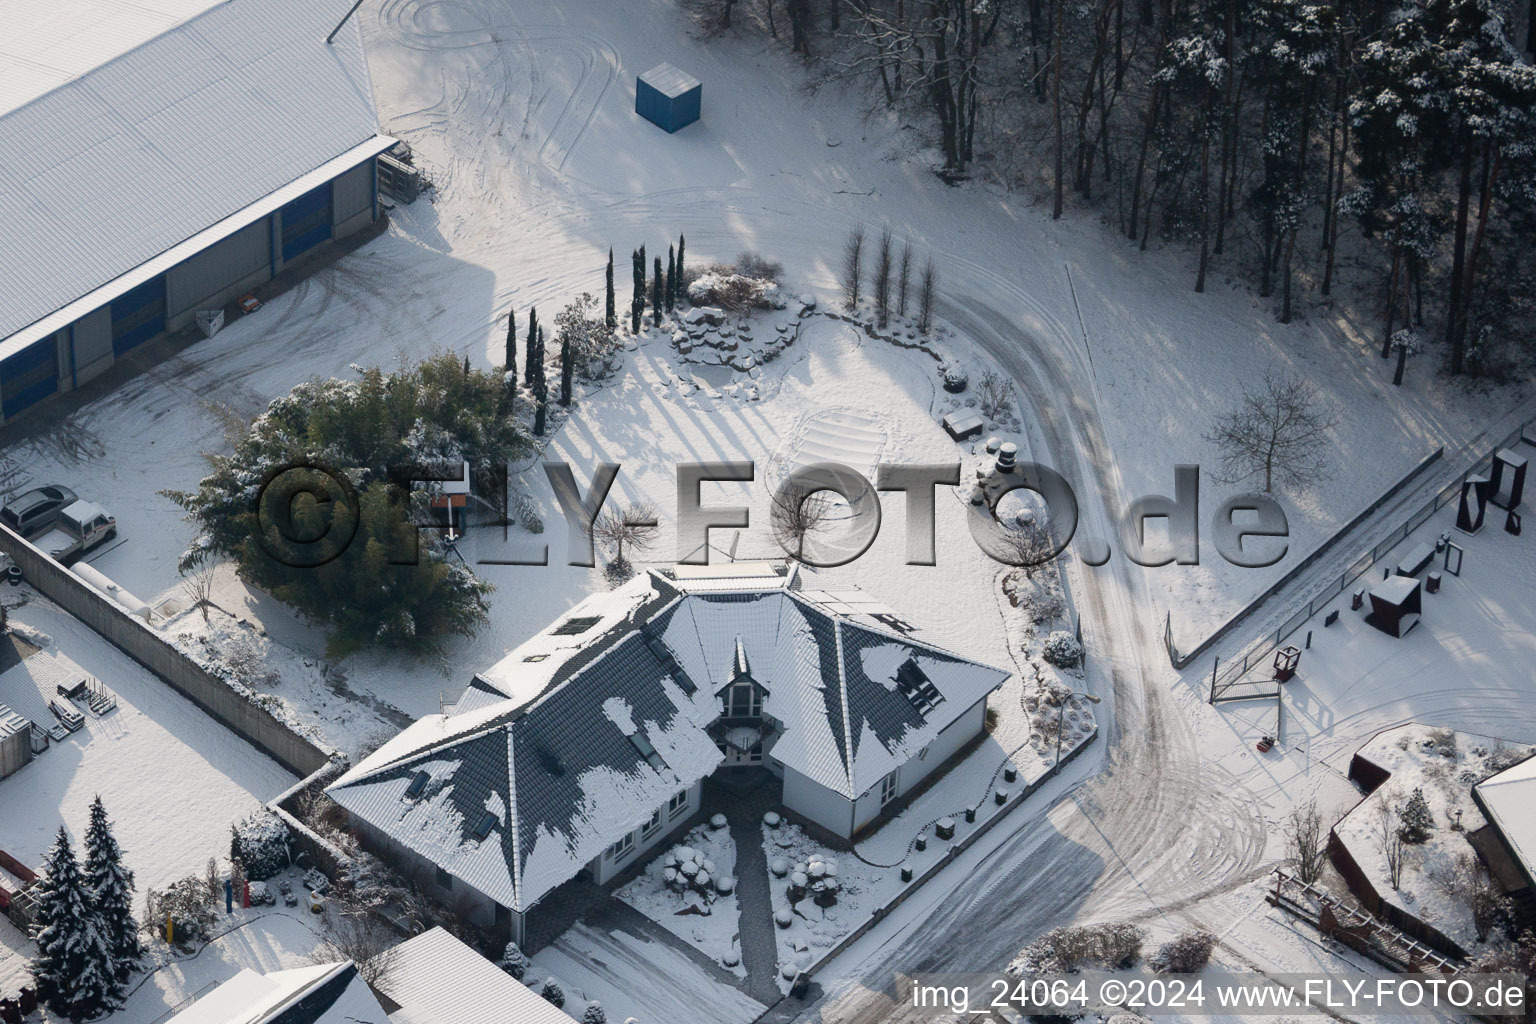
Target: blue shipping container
668, 97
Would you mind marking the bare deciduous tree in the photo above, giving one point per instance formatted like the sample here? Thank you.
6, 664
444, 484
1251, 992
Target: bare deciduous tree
1278, 432
361, 938
794, 521
1393, 849
882, 282
1465, 881
197, 584
853, 267
994, 395
634, 524
903, 279
1028, 544
1304, 841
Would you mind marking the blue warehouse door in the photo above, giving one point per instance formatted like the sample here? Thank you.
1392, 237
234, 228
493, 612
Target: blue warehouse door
29, 376
306, 222
138, 315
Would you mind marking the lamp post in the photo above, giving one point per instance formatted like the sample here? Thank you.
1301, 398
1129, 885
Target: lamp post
1061, 714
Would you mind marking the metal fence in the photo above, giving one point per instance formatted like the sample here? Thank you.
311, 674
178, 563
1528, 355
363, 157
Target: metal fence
1261, 649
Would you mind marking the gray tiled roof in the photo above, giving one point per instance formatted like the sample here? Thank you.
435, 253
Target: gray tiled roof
567, 778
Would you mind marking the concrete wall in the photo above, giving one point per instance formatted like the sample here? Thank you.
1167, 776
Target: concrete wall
253, 724
219, 274
605, 867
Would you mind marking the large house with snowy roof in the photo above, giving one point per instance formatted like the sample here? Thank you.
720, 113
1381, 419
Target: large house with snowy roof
589, 744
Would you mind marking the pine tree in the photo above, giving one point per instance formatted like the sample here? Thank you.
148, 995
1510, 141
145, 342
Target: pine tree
73, 968
594, 1013
682, 280
656, 300
111, 887
609, 316
1415, 820
567, 365
531, 346
637, 299
671, 279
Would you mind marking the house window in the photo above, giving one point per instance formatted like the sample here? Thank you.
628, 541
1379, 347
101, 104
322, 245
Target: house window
887, 789
677, 805
418, 783
623, 848
487, 822
576, 626
651, 827
444, 879
743, 700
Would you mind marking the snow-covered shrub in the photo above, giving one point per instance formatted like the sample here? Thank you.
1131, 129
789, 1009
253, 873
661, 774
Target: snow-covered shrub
734, 292
1415, 821
1062, 649
553, 992
1187, 953
187, 905
994, 395
514, 961
594, 1013
1073, 948
260, 843
528, 514
1504, 758
618, 572
955, 379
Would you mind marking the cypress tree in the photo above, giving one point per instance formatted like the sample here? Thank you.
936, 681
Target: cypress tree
682, 286
609, 316
510, 362
671, 279
111, 887
637, 300
656, 295
566, 369
73, 968
541, 394
533, 340
542, 372
466, 364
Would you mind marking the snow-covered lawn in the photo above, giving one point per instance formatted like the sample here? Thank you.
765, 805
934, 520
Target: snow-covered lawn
709, 924
1443, 765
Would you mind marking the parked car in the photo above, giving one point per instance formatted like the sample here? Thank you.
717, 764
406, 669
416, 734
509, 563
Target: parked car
80, 527
35, 511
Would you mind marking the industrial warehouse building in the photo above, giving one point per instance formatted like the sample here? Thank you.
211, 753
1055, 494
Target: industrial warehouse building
165, 157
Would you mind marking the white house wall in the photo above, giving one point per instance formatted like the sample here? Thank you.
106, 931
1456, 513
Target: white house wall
604, 867
812, 800
944, 746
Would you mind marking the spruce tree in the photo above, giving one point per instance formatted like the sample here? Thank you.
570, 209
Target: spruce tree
566, 368
656, 299
671, 279
609, 316
73, 968
682, 281
111, 887
533, 340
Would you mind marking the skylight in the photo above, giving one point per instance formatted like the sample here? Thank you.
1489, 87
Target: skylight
487, 822
579, 624
418, 784
647, 751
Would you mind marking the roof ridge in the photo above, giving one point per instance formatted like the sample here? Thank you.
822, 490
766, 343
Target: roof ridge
514, 826
842, 700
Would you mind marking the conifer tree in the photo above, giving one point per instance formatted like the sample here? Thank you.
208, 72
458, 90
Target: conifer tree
533, 340
609, 316
682, 282
73, 967
110, 886
541, 412
566, 369
656, 299
671, 279
510, 362
637, 299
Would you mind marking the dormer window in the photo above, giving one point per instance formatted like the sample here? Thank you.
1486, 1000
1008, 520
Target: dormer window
915, 685
742, 700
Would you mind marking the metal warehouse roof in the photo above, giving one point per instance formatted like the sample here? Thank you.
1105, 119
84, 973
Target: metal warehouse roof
47, 44
111, 167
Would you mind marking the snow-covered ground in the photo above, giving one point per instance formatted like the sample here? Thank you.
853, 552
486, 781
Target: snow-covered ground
711, 925
172, 779
813, 930
1443, 765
